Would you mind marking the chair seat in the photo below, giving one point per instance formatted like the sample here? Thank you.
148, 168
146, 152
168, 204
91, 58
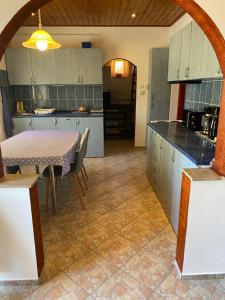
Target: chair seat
58, 170
12, 169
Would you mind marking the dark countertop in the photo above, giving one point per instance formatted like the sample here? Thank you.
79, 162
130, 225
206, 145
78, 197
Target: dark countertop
199, 150
59, 114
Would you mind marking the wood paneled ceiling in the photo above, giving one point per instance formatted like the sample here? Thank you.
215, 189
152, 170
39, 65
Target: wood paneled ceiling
108, 13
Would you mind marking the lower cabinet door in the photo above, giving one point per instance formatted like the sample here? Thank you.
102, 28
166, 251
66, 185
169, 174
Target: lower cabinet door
43, 123
166, 169
180, 162
21, 124
66, 123
96, 137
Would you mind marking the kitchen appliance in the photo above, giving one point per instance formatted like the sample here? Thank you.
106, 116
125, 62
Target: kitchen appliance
213, 125
210, 121
192, 119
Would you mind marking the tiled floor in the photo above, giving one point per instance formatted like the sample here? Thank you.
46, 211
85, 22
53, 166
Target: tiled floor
120, 247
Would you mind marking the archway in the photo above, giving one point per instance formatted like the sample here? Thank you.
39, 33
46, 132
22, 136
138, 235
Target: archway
195, 11
119, 98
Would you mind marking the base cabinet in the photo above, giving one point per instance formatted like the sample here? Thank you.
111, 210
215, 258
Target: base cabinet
96, 138
164, 170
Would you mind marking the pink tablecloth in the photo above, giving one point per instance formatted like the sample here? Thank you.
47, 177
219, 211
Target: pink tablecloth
41, 147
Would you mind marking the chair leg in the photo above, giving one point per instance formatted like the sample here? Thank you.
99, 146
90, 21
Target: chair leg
83, 176
47, 192
20, 170
81, 187
78, 191
85, 172
56, 183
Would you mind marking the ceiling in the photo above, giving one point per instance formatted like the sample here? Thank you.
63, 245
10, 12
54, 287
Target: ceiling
108, 13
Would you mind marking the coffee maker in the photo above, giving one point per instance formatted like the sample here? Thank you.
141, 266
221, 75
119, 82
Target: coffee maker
210, 121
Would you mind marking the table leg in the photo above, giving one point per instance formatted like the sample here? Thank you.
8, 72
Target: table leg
52, 178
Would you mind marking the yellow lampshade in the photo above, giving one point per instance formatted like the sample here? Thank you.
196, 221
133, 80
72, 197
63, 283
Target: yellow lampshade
41, 40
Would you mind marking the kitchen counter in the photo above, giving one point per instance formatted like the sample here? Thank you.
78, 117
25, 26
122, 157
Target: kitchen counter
60, 114
199, 150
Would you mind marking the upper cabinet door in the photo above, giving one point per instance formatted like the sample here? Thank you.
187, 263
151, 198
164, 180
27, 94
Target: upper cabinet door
44, 67
66, 68
174, 56
210, 67
196, 47
185, 53
19, 68
90, 66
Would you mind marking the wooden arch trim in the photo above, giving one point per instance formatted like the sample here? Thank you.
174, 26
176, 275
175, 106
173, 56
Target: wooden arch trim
195, 11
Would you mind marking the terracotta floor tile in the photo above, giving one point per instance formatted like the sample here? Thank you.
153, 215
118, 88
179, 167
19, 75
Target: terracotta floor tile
61, 287
15, 292
91, 271
138, 233
92, 235
114, 220
66, 252
117, 250
163, 247
148, 268
174, 288
122, 286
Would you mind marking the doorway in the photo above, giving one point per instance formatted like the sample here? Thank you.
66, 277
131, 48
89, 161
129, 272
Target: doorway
119, 99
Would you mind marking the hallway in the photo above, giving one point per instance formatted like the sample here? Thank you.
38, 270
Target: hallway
121, 247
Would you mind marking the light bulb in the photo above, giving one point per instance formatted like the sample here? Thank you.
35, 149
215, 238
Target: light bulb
42, 45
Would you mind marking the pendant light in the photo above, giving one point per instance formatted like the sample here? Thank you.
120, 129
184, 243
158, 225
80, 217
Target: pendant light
41, 39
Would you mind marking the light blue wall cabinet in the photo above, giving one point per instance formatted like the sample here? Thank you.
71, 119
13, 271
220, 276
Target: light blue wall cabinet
67, 63
179, 163
96, 137
159, 89
192, 56
175, 56
210, 67
196, 47
62, 66
185, 53
18, 63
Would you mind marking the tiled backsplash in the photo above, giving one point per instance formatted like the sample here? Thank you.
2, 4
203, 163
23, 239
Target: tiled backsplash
61, 97
199, 95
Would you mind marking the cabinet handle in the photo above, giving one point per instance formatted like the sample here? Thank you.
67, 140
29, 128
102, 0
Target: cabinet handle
178, 74
187, 72
67, 119
219, 70
55, 121
173, 157
78, 122
29, 122
31, 79
82, 79
34, 80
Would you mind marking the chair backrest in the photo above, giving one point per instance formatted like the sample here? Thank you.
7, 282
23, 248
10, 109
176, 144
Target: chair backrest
82, 150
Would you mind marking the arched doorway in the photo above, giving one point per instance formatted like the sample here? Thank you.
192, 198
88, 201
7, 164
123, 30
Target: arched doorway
195, 11
119, 99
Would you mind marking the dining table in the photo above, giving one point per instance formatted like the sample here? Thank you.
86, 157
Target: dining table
42, 148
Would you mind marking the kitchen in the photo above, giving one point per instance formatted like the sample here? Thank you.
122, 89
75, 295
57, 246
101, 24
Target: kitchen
144, 91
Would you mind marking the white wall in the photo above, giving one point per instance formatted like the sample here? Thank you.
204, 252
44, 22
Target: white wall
124, 42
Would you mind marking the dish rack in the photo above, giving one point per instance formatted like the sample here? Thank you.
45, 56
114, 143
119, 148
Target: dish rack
44, 111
